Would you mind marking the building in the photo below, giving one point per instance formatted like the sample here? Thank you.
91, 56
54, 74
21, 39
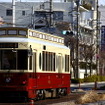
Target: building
87, 35
102, 31
102, 37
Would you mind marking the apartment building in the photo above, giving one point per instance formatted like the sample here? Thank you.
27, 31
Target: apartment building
102, 39
102, 31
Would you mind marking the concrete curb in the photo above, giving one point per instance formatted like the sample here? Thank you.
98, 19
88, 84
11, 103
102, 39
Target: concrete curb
82, 84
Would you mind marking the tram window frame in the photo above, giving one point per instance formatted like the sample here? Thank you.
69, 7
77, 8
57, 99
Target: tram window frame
1, 32
40, 60
67, 63
59, 63
34, 65
30, 63
44, 61
6, 58
53, 61
23, 65
15, 61
12, 32
48, 61
62, 62
22, 32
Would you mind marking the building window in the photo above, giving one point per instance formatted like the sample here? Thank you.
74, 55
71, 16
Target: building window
9, 12
23, 13
91, 2
58, 15
40, 13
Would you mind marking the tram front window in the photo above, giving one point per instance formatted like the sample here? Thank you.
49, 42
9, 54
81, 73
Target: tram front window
12, 60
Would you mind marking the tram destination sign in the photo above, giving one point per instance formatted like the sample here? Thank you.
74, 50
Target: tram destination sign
8, 45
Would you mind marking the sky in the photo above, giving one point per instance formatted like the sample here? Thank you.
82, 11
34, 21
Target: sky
100, 1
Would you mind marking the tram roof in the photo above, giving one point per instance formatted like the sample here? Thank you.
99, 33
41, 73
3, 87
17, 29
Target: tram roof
26, 32
22, 40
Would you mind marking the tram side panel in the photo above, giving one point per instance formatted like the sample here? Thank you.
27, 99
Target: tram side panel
50, 77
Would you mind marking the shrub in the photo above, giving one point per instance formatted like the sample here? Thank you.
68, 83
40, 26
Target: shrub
77, 80
92, 78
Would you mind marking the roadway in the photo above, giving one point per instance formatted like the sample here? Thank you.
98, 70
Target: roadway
87, 86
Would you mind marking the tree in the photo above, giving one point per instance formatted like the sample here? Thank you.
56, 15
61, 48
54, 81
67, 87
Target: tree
88, 52
102, 62
71, 42
63, 25
91, 53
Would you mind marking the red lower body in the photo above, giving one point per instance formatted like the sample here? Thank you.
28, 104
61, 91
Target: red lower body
30, 84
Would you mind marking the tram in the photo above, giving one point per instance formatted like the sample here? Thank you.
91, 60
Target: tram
33, 64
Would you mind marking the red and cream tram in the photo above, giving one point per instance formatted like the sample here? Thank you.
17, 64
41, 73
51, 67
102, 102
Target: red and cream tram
33, 64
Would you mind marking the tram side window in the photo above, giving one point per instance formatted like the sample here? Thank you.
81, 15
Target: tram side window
40, 60
12, 60
30, 63
48, 61
22, 59
7, 60
44, 61
67, 63
59, 63
53, 61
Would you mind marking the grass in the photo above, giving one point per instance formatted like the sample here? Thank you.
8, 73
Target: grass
89, 97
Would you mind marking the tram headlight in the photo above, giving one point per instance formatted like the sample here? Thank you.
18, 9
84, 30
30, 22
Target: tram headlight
24, 82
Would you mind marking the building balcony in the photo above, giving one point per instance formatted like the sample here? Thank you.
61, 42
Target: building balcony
84, 25
87, 6
84, 6
81, 8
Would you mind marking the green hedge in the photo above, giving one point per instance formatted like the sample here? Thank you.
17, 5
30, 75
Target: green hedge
92, 78
76, 80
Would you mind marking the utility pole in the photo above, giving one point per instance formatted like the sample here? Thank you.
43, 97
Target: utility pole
97, 39
50, 22
13, 9
32, 18
77, 41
